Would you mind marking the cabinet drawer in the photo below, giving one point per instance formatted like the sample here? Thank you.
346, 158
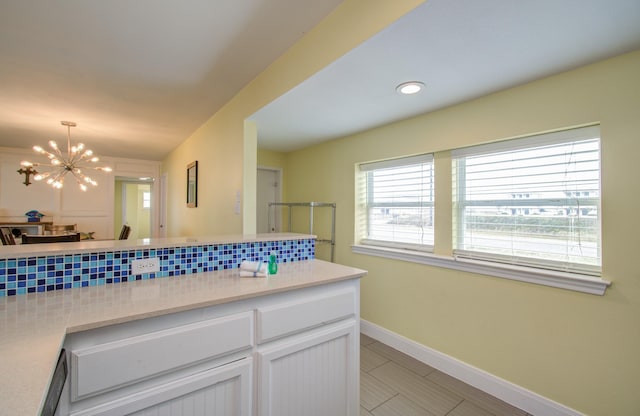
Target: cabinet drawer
221, 391
107, 366
288, 318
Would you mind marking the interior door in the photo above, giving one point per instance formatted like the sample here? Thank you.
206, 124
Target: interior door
268, 190
133, 204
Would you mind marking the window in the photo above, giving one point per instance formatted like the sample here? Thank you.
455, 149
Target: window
532, 201
397, 205
146, 200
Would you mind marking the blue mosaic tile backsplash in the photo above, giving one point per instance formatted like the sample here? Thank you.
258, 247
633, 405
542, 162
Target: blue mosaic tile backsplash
45, 273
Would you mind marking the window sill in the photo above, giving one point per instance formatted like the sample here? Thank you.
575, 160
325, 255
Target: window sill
575, 282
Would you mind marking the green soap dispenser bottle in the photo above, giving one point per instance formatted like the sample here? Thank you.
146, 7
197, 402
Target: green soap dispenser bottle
273, 263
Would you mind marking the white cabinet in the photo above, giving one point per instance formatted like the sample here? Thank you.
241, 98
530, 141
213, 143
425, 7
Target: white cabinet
293, 353
313, 374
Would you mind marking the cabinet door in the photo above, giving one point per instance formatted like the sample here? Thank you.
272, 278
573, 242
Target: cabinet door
312, 374
222, 391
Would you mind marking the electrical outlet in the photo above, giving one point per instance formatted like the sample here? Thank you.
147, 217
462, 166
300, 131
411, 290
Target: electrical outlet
149, 265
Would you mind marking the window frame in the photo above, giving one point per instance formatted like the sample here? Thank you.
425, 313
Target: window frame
533, 142
365, 171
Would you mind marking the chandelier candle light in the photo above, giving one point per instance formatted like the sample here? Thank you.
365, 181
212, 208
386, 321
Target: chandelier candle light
76, 159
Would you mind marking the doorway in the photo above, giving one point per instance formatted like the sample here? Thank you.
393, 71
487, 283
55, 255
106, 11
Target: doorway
133, 206
268, 190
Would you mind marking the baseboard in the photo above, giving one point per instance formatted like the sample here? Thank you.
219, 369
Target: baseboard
506, 391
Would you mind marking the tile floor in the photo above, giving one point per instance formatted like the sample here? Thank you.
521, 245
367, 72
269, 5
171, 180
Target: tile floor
394, 384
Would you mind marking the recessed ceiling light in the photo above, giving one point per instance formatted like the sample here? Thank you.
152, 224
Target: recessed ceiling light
409, 88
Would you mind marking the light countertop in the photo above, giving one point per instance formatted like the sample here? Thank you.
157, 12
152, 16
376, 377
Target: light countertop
83, 246
33, 326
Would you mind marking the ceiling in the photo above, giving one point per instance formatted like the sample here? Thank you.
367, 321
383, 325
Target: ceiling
461, 49
138, 77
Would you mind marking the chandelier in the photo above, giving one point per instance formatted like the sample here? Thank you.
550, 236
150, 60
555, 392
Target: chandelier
60, 164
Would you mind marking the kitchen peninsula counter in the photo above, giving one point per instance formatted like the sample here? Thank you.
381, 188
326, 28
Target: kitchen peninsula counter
33, 326
87, 246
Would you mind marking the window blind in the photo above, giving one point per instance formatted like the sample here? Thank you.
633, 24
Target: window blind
398, 207
531, 202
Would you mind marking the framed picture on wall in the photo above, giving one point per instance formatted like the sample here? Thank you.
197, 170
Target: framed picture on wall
192, 184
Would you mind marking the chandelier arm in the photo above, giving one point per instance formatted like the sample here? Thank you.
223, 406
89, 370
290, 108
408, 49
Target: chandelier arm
60, 173
84, 178
48, 165
56, 149
78, 175
51, 155
56, 176
77, 159
81, 157
74, 160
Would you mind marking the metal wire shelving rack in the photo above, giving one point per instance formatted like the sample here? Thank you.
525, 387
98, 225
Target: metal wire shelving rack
311, 206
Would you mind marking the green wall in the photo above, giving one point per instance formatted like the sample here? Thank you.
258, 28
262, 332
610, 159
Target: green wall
577, 349
271, 159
